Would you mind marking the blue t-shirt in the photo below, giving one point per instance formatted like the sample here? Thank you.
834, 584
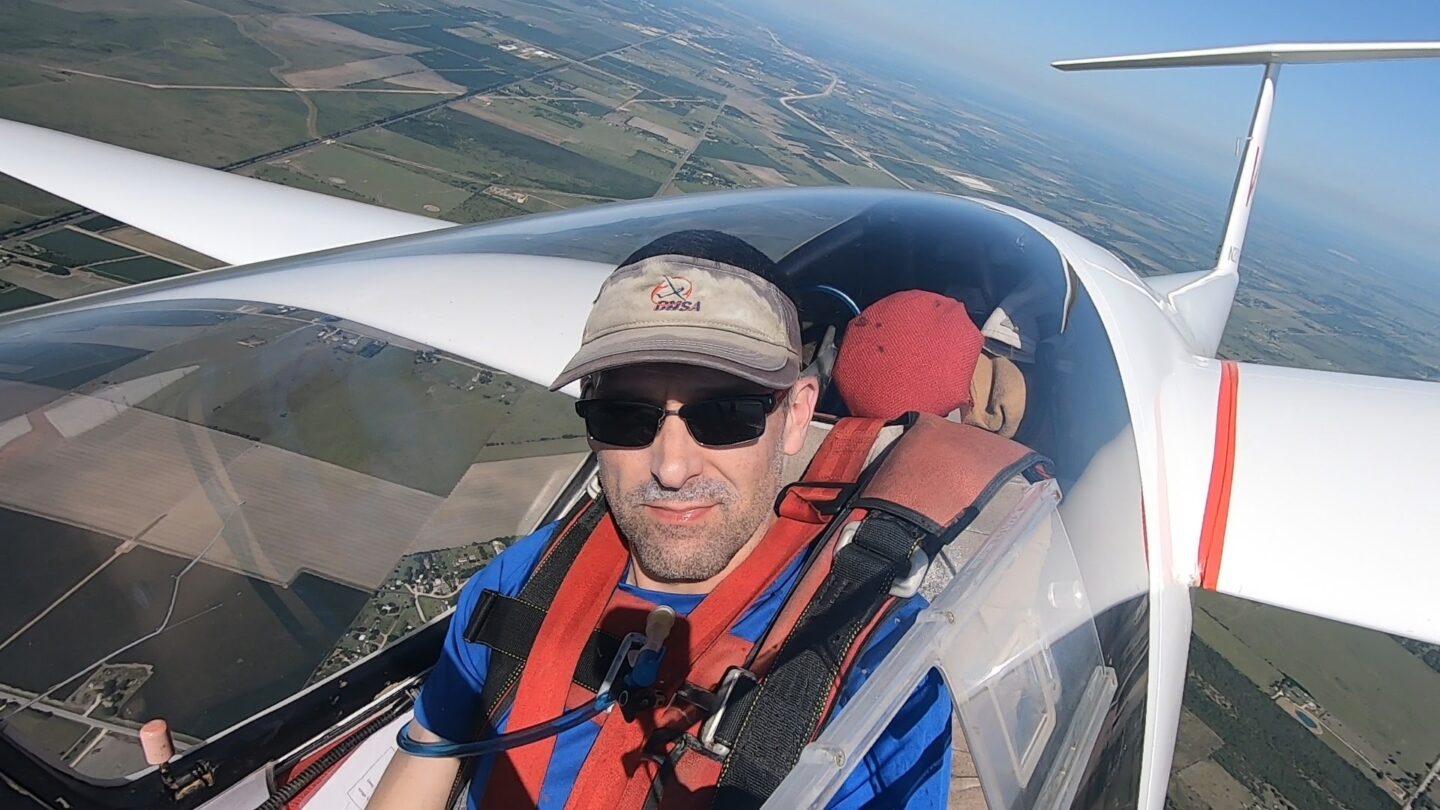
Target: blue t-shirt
909, 765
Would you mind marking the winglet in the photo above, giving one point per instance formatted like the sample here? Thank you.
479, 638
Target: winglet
1202, 301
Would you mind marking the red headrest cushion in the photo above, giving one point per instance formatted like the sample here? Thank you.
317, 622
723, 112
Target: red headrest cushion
911, 351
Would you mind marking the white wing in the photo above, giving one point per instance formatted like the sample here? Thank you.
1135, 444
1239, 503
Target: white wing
1331, 506
235, 219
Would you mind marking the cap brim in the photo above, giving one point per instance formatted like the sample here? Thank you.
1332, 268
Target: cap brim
747, 358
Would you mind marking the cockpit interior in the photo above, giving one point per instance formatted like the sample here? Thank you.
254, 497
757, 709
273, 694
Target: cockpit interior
253, 495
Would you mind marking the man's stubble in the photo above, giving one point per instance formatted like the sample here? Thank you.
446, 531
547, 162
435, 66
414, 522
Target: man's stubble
680, 554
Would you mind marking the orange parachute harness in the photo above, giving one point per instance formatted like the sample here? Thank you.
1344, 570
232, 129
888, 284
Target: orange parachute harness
727, 718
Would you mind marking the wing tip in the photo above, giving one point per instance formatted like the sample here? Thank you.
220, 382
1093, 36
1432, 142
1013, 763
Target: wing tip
1261, 54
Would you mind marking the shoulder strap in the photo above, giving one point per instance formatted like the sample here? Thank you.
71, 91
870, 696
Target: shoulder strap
612, 776
505, 668
918, 500
922, 482
539, 591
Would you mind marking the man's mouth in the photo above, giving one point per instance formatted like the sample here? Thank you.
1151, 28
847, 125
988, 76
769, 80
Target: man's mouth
678, 512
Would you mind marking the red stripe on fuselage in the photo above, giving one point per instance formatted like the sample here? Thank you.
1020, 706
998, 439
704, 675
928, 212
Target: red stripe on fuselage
1222, 474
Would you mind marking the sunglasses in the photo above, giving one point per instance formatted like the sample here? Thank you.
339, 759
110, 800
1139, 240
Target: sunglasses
719, 422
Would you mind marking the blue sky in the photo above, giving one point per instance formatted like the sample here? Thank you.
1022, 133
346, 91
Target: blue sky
1358, 140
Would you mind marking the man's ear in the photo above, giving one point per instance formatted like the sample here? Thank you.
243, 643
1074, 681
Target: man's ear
799, 410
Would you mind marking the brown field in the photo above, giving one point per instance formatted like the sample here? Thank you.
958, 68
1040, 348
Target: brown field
1214, 788
101, 465
300, 30
496, 499
1194, 743
425, 80
361, 70
169, 8
764, 174
165, 249
481, 108
675, 137
79, 282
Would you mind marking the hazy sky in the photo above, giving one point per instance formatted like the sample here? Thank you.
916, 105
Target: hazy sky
1359, 139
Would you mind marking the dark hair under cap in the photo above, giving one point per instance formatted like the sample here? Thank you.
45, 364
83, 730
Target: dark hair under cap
717, 246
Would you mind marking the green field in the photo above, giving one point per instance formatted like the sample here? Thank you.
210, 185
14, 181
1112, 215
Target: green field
207, 127
14, 74
12, 298
300, 51
859, 175
583, 78
1367, 680
921, 176
341, 111
541, 424
579, 42
740, 128
205, 49
80, 247
362, 413
21, 204
1264, 746
533, 117
386, 141
285, 177
522, 160
483, 208
1250, 663
12, 217
737, 153
664, 86
386, 183
140, 268
679, 116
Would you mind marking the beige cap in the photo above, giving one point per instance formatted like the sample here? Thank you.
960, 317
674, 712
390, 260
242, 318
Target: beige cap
678, 309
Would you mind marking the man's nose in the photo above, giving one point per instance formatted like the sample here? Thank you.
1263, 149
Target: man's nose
674, 456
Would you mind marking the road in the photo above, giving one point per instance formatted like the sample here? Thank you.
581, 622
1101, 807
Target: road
699, 142
857, 151
121, 549
11, 695
834, 80
249, 88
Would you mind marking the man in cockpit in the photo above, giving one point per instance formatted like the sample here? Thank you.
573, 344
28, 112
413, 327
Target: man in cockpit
693, 399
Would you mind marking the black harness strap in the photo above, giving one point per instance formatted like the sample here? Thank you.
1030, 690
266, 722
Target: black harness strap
540, 589
766, 725
509, 626
505, 669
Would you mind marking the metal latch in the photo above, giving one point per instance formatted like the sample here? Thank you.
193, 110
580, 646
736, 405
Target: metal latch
712, 725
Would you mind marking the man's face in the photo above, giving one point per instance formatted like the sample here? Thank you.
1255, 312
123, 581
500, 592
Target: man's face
687, 509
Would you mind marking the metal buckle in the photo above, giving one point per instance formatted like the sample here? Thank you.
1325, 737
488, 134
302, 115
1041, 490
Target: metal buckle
909, 585
904, 587
712, 725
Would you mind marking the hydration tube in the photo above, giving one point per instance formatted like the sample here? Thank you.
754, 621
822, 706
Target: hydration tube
641, 652
837, 293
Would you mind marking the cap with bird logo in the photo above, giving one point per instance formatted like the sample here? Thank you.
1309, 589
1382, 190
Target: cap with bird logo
680, 309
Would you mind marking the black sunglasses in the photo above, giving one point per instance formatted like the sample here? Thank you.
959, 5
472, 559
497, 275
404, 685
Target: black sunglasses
719, 422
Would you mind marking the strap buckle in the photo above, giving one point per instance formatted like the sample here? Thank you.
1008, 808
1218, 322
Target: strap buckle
902, 587
822, 508
722, 701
